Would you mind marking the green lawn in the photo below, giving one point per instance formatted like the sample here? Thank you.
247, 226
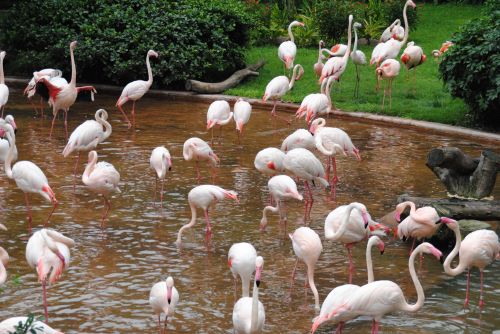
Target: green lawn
432, 101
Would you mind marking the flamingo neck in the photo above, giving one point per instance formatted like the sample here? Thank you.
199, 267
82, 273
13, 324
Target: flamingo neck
328, 90
310, 277
89, 169
355, 47
163, 166
290, 33
349, 35
188, 225
11, 138
150, 72
420, 291
320, 54
369, 263
407, 27
255, 308
2, 78
107, 132
343, 226
294, 75
245, 285
263, 222
447, 263
73, 68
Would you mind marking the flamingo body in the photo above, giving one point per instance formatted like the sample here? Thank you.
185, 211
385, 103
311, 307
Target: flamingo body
241, 259
288, 50
242, 112
303, 164
163, 298
219, 113
412, 56
300, 138
269, 161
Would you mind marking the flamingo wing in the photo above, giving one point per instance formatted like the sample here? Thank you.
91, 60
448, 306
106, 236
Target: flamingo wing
133, 91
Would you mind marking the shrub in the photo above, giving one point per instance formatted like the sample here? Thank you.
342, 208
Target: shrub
470, 68
332, 18
393, 9
194, 38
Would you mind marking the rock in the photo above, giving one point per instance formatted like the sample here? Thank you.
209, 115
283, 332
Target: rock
470, 225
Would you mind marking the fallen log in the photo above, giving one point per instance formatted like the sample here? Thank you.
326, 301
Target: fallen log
232, 81
458, 208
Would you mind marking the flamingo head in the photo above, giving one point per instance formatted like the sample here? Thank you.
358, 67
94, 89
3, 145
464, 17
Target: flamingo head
259, 264
297, 23
381, 246
451, 223
230, 262
423, 59
288, 62
168, 161
321, 43
357, 25
170, 285
210, 124
411, 4
436, 53
152, 53
72, 45
2, 54
430, 249
232, 195
10, 119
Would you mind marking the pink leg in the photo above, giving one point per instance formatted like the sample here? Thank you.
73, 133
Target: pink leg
51, 212
466, 302
351, 264
133, 113
41, 106
107, 207
66, 122
159, 324
481, 300
74, 171
273, 112
28, 210
125, 115
156, 189
161, 193
311, 200
412, 246
327, 167
293, 274
52, 126
374, 327
334, 180
208, 232
165, 325
45, 308
198, 176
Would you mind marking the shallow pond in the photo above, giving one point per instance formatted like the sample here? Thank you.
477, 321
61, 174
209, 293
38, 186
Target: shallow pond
106, 288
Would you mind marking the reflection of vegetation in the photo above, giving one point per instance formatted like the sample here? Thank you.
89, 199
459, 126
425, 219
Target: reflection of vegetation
28, 327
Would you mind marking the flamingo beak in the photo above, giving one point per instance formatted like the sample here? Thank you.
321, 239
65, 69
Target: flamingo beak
397, 216
437, 253
381, 247
169, 161
365, 218
169, 294
258, 272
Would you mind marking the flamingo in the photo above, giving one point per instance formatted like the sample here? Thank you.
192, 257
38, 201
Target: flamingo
28, 176
242, 112
87, 136
444, 47
389, 69
48, 252
307, 247
241, 259
287, 50
317, 103
4, 260
279, 86
203, 197
31, 88
249, 315
102, 178
378, 298
280, 188
304, 165
219, 113
357, 56
338, 50
478, 249
135, 90
4, 143
340, 295
269, 161
197, 149
336, 66
395, 30
318, 67
413, 56
63, 96
4, 90
11, 325
160, 161
299, 138
163, 298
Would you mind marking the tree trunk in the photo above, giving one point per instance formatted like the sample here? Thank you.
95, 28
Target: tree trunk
232, 81
463, 175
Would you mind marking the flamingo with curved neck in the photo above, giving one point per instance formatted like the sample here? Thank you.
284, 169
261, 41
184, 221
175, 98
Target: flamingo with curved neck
318, 67
288, 50
4, 90
357, 57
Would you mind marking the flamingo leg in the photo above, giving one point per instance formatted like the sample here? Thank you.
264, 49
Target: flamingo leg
481, 300
74, 171
198, 176
412, 246
208, 231
133, 113
273, 112
28, 210
125, 115
41, 106
293, 274
52, 126
165, 325
311, 200
161, 193
335, 179
159, 324
390, 94
156, 189
356, 87
45, 307
327, 167
239, 140
374, 327
466, 302
351, 264
107, 207
66, 123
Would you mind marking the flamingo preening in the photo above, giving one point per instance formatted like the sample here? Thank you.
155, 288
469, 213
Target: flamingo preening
288, 50
219, 113
135, 90
241, 260
4, 143
388, 70
395, 30
317, 103
32, 88
48, 252
28, 176
478, 249
357, 56
63, 96
412, 57
160, 161
198, 150
4, 90
299, 138
269, 161
203, 197
163, 298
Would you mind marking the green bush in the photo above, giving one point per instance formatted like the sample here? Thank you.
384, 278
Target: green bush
470, 68
393, 9
194, 38
332, 18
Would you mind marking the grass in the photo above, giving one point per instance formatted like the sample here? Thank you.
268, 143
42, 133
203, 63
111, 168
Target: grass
432, 102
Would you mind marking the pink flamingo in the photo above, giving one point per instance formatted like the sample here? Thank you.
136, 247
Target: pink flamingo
269, 161
12, 324
395, 30
412, 57
307, 247
280, 188
48, 252
160, 161
163, 298
340, 295
304, 165
219, 113
4, 90
336, 66
241, 259
357, 56
198, 150
203, 197
478, 249
62, 97
102, 178
4, 260
378, 298
318, 67
338, 50
87, 136
287, 50
317, 103
28, 176
279, 86
389, 69
444, 47
31, 88
135, 90
4, 143
242, 112
249, 314
299, 138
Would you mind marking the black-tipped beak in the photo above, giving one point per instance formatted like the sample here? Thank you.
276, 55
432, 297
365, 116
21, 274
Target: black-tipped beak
311, 133
366, 225
169, 300
15, 131
438, 222
441, 259
170, 168
404, 238
257, 283
381, 252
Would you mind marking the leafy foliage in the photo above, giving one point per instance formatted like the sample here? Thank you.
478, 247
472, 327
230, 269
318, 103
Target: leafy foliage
194, 38
470, 69
28, 327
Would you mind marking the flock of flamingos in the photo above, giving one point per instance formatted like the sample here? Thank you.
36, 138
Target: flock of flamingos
48, 251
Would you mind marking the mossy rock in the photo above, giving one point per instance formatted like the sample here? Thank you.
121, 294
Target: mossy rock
470, 225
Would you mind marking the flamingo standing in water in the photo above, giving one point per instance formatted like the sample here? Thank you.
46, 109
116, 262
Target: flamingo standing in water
304, 165
388, 70
412, 57
340, 295
279, 86
287, 50
378, 298
4, 143
269, 161
280, 188
241, 259
102, 178
357, 56
4, 90
48, 252
31, 88
203, 197
249, 315
28, 176
11, 325
478, 249
63, 96
307, 247
163, 298
317, 103
299, 138
87, 136
160, 161
219, 113
242, 112
135, 90
318, 67
197, 149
